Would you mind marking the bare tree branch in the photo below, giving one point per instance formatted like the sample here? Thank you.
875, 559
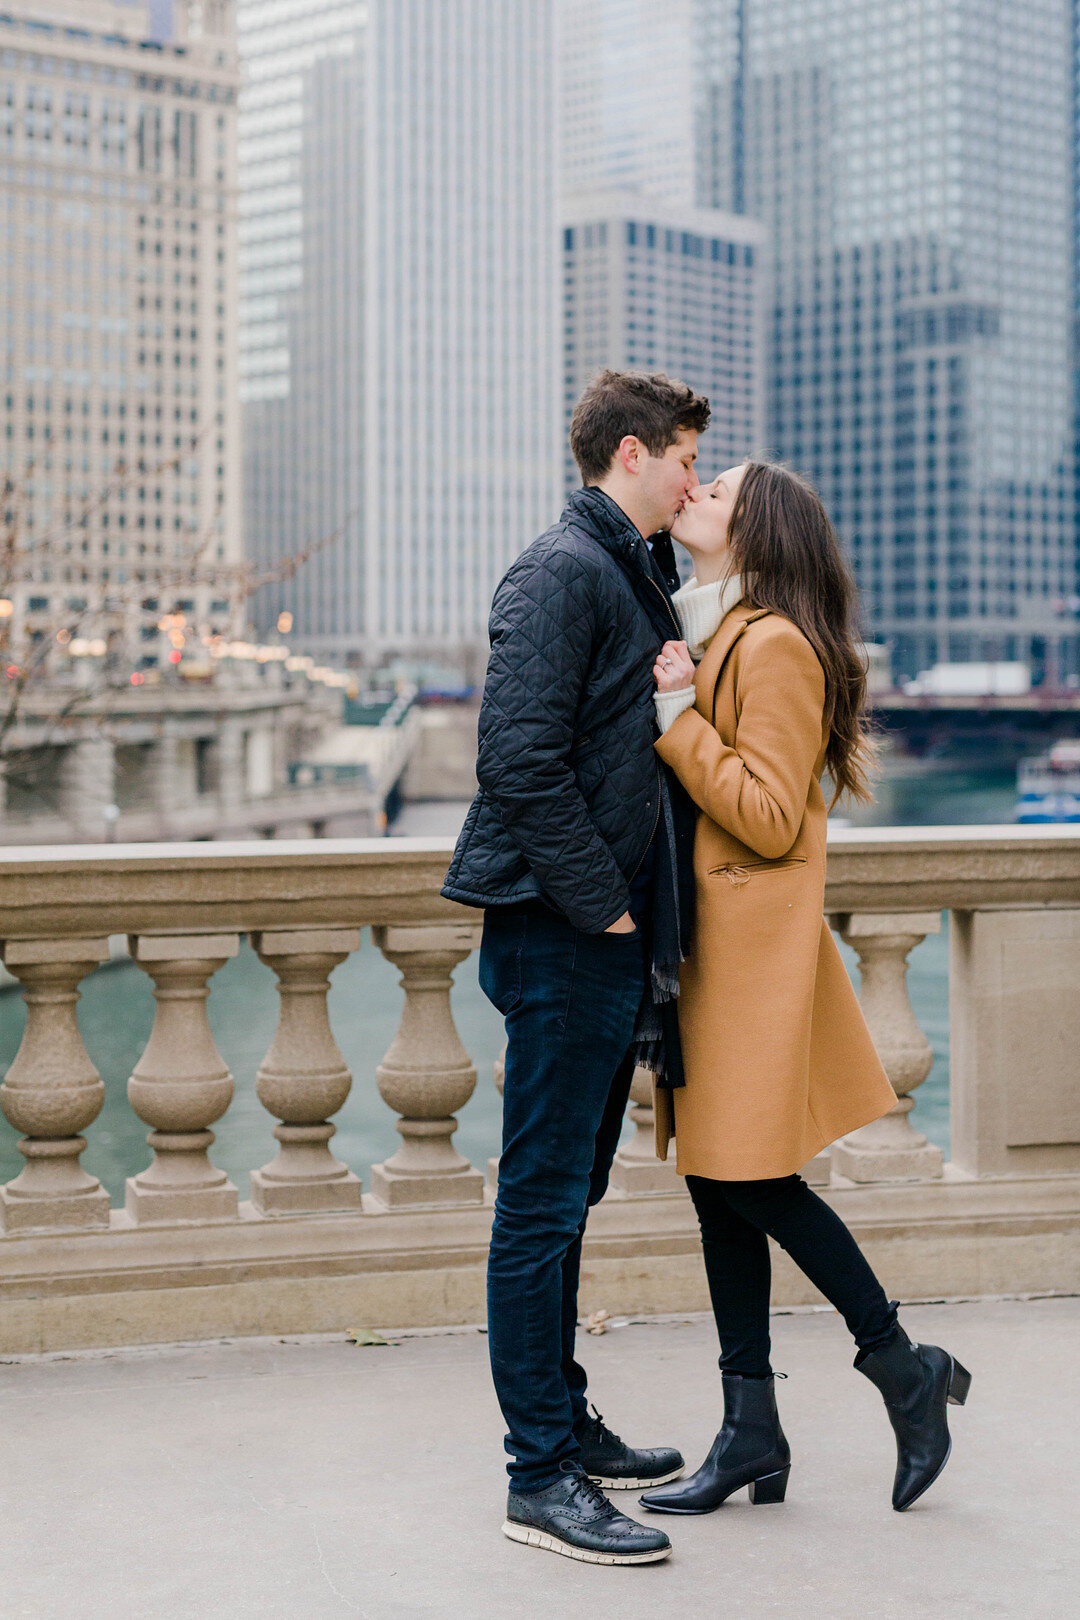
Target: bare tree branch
31, 689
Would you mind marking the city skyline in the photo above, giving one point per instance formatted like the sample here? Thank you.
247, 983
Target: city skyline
914, 164
413, 328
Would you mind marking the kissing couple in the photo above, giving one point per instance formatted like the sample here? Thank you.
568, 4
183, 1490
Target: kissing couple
648, 845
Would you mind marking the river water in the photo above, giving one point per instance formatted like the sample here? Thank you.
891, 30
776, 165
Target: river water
116, 1012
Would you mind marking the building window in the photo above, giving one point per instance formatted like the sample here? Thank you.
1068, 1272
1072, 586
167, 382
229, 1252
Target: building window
149, 140
77, 124
185, 154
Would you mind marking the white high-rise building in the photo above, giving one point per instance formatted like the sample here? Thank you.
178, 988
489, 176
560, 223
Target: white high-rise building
651, 281
626, 82
399, 338
119, 421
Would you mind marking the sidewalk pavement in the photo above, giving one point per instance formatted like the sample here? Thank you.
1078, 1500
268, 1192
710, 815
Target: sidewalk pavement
317, 1480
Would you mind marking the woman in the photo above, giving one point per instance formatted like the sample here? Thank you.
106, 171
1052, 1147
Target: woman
778, 1060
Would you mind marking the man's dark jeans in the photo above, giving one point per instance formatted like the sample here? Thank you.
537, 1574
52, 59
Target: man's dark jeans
570, 1001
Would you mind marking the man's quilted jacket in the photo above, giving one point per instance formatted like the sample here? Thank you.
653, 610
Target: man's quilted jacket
568, 798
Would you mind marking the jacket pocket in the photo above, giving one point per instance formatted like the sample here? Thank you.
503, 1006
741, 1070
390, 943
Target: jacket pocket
739, 872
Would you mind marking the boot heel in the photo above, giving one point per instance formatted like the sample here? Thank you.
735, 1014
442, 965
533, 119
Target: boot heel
771, 1488
959, 1384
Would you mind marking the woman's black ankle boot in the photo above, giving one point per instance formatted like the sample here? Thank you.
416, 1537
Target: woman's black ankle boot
749, 1450
917, 1382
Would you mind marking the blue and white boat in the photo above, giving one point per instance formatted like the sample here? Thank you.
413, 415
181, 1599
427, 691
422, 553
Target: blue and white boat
1048, 786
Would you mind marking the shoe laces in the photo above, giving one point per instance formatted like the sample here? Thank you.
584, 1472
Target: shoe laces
603, 1433
589, 1491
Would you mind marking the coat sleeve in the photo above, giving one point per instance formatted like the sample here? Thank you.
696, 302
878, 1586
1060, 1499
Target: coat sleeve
757, 790
543, 625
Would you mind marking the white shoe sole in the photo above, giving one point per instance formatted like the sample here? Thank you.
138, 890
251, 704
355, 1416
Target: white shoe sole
538, 1538
636, 1484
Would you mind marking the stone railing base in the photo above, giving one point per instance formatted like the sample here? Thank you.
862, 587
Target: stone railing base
312, 1273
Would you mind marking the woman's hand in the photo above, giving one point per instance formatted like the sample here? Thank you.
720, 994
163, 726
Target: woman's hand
674, 668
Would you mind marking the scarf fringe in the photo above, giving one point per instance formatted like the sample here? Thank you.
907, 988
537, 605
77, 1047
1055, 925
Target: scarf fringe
650, 1054
665, 981
649, 1045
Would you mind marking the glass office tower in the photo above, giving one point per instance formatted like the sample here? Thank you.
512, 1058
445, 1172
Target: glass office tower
913, 161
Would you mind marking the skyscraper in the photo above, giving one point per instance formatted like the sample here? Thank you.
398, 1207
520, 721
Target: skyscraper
913, 162
677, 289
626, 85
120, 424
399, 317
650, 280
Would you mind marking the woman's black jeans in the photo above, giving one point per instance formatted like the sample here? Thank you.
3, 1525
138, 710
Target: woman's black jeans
737, 1219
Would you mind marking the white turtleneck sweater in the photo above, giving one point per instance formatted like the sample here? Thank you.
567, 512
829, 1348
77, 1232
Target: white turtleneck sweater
701, 610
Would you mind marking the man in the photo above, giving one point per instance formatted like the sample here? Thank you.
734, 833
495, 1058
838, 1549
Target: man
560, 846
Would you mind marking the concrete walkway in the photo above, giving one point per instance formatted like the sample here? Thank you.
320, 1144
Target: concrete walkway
302, 1480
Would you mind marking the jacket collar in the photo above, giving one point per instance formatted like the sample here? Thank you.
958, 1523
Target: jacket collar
591, 510
708, 671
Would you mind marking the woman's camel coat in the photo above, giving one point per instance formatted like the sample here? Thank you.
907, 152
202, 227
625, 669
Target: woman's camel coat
779, 1061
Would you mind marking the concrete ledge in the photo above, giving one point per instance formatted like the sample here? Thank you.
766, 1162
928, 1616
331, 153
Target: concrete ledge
74, 890
311, 1274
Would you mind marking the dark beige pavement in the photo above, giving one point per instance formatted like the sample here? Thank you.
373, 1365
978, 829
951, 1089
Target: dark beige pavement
311, 1479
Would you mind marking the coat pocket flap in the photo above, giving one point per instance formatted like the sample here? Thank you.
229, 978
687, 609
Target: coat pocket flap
740, 872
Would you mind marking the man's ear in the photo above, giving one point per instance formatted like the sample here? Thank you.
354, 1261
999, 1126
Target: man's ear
629, 454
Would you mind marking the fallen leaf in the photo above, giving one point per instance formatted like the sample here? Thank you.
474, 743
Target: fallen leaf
367, 1336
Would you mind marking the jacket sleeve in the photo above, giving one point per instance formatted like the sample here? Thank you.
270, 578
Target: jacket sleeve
543, 625
757, 790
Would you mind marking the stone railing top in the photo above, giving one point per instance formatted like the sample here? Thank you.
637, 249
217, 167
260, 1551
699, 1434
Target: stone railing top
998, 833
208, 887
94, 889
956, 868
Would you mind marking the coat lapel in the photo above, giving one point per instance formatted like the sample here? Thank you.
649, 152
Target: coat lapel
711, 667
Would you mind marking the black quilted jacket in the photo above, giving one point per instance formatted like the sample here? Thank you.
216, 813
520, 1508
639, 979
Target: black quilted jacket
568, 796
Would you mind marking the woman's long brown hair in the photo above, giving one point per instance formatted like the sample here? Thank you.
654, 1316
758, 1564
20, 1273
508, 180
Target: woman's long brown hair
784, 545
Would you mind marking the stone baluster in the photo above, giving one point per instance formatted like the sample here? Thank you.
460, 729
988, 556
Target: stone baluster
635, 1169
303, 1078
890, 1149
817, 1171
181, 1085
52, 1091
427, 1075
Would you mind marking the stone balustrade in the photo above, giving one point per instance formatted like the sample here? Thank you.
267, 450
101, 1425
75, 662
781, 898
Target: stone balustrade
309, 1249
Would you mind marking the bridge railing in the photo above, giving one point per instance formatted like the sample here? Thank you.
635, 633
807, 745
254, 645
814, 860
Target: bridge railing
1014, 896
